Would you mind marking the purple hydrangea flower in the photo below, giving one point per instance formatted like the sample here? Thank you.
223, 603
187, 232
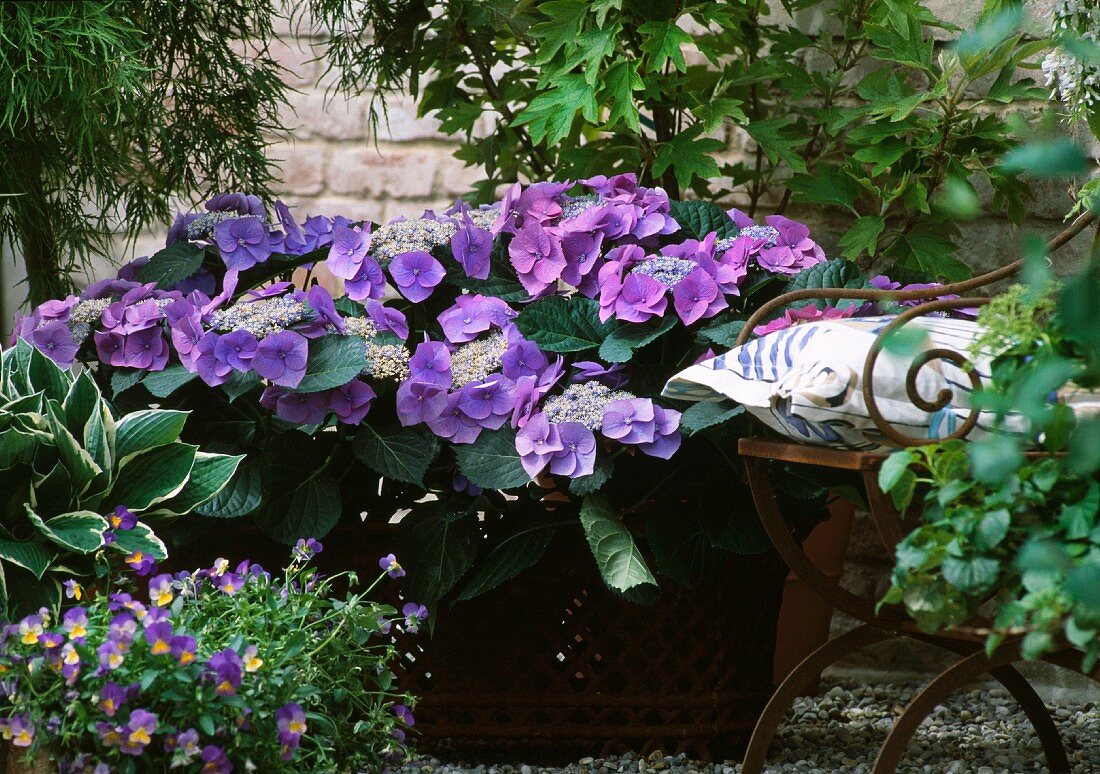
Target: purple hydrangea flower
523, 358
474, 314
793, 250
588, 370
369, 282
471, 247
240, 203
487, 401
537, 442
236, 348
629, 420
349, 249
453, 423
55, 341
243, 242
351, 402
431, 364
697, 296
419, 401
294, 239
281, 358
300, 408
578, 455
212, 369
666, 437
416, 274
537, 258
387, 319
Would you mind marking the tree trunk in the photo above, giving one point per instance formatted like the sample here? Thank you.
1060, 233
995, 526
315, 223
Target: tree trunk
37, 241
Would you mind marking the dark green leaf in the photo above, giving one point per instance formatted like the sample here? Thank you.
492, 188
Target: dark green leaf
620, 344
561, 325
240, 496
511, 556
123, 379
706, 414
147, 429
140, 538
33, 556
688, 156
594, 481
436, 549
163, 383
151, 476
834, 273
171, 265
620, 562
209, 475
723, 334
492, 461
396, 452
80, 531
334, 360
973, 576
698, 218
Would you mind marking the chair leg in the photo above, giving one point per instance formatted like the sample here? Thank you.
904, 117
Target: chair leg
795, 684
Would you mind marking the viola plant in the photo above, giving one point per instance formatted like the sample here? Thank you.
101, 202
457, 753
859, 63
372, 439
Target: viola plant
81, 483
221, 669
505, 359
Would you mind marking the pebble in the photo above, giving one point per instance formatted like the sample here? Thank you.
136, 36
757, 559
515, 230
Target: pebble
980, 731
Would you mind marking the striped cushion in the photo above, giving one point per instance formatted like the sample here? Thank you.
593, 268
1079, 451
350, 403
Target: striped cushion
806, 381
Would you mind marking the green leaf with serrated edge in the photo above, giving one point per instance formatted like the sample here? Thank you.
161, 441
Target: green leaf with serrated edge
240, 496
971, 575
240, 384
507, 290
662, 41
36, 557
436, 550
834, 273
152, 476
492, 461
594, 481
171, 265
862, 238
562, 325
702, 415
163, 383
620, 81
992, 529
80, 531
123, 379
334, 360
893, 467
147, 429
510, 557
689, 156
310, 509
620, 344
549, 116
396, 452
617, 556
698, 218
140, 538
724, 334
208, 476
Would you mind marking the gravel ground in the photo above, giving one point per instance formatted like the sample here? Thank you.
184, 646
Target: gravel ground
981, 731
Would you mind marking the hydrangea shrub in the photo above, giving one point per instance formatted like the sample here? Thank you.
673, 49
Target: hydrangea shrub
504, 359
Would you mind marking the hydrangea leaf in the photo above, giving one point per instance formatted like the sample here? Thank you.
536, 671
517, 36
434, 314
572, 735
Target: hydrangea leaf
698, 218
334, 360
705, 414
511, 556
620, 344
171, 265
561, 325
396, 452
163, 383
834, 273
143, 430
492, 461
723, 333
593, 482
123, 379
617, 555
301, 498
436, 547
240, 496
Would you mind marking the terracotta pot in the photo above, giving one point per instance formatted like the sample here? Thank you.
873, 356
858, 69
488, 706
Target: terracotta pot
804, 617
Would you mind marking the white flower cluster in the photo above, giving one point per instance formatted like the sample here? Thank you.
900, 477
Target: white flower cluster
1074, 81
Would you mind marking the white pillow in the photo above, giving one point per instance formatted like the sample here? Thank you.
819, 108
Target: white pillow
806, 381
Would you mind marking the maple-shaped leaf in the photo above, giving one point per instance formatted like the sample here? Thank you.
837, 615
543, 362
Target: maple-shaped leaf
620, 82
662, 41
688, 156
550, 114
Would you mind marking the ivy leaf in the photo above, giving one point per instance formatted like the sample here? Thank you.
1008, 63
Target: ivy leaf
715, 112
436, 547
565, 20
620, 81
620, 562
492, 461
619, 346
662, 41
562, 325
171, 265
706, 414
689, 157
334, 360
698, 218
550, 115
396, 452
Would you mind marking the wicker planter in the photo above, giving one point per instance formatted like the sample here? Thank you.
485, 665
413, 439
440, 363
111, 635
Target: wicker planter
554, 666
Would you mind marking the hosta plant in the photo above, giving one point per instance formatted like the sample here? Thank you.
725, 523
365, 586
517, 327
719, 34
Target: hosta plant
77, 480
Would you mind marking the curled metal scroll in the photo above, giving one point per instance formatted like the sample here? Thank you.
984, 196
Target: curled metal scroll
943, 399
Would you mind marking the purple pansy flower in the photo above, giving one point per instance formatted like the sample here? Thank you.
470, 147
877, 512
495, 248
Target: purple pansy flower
290, 719
111, 698
306, 548
138, 732
281, 358
159, 637
416, 274
215, 761
227, 668
183, 649
390, 564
